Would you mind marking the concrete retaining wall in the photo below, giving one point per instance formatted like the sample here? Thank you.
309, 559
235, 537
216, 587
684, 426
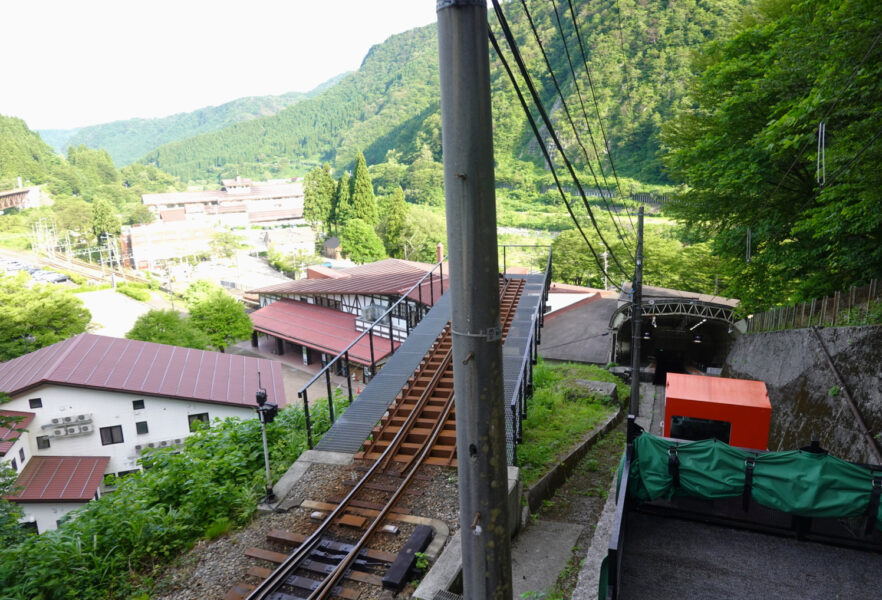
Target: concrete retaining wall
802, 388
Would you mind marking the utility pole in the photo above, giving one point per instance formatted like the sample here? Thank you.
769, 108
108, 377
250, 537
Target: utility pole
466, 122
636, 319
605, 256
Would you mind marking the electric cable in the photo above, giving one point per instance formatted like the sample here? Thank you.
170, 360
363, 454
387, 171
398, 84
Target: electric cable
609, 153
547, 122
544, 149
573, 126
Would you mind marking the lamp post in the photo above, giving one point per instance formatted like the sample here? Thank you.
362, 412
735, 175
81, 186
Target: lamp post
266, 412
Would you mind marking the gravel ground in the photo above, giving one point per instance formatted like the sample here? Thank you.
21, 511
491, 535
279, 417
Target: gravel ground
212, 567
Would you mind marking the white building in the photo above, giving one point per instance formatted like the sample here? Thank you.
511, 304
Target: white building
92, 404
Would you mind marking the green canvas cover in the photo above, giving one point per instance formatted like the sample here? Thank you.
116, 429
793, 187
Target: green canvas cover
801, 483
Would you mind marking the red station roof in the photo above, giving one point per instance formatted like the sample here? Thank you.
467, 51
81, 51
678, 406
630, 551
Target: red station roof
323, 329
145, 368
60, 479
390, 277
8, 436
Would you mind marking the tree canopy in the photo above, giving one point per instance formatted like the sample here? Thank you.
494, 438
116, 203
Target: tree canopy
318, 197
360, 242
222, 318
747, 150
37, 316
364, 204
168, 327
394, 216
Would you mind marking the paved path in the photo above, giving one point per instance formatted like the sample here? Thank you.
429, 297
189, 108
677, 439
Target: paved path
113, 314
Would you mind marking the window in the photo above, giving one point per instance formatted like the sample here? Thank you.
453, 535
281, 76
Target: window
14, 465
137, 404
42, 442
111, 435
36, 402
692, 428
21, 454
141, 427
203, 417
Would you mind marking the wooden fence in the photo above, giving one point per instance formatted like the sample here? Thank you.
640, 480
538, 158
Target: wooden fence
857, 306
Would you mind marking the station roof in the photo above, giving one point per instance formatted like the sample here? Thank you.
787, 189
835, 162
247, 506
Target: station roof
717, 390
390, 277
323, 329
145, 368
650, 292
60, 479
9, 435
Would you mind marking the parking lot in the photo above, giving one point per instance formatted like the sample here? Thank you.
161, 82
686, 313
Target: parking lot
13, 267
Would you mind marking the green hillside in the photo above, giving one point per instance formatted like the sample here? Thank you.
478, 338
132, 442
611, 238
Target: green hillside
128, 140
389, 107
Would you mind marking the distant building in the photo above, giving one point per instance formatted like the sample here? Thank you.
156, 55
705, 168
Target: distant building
239, 203
155, 243
332, 248
92, 404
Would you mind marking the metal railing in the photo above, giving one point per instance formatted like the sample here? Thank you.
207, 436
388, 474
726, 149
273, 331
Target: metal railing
854, 307
523, 386
505, 248
341, 361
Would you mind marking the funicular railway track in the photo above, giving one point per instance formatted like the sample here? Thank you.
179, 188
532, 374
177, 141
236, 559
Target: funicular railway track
419, 429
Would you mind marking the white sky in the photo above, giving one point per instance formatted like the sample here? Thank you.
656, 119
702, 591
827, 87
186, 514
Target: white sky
70, 63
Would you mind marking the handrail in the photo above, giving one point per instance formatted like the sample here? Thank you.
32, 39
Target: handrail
344, 354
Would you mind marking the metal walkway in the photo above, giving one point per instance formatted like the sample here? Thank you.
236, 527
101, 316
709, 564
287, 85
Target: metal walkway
354, 426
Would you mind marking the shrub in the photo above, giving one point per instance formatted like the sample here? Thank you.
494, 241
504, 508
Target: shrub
132, 291
110, 547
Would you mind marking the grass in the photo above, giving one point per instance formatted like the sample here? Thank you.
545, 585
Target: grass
560, 413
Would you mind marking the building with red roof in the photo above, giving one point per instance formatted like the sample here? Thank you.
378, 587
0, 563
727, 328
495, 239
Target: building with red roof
97, 396
320, 315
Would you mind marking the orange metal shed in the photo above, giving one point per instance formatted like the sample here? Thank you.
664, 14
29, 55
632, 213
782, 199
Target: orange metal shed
742, 403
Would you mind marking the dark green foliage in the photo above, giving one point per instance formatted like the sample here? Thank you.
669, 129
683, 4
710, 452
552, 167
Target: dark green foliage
342, 209
104, 220
112, 546
360, 242
222, 318
37, 316
168, 327
318, 197
747, 150
394, 213
364, 204
423, 230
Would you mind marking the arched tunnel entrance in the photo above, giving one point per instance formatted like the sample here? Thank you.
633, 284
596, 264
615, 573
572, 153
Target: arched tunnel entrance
679, 334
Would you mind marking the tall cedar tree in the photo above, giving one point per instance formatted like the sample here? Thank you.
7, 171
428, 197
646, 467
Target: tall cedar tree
364, 204
342, 209
104, 220
318, 197
394, 218
361, 243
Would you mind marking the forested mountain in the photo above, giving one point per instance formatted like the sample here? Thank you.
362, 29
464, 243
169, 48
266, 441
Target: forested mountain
128, 140
638, 53
84, 185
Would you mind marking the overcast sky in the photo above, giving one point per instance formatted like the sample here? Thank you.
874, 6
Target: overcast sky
70, 63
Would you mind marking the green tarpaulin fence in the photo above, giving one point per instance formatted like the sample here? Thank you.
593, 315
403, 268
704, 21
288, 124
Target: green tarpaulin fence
802, 483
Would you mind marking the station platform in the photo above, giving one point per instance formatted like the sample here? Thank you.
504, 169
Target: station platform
354, 426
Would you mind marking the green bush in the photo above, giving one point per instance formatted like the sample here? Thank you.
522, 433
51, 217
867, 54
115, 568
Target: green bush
110, 548
133, 291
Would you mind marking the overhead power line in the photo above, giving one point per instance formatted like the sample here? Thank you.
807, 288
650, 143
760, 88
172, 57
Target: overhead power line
573, 125
547, 122
535, 129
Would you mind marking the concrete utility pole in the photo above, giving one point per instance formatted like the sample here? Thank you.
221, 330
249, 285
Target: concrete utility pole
636, 319
463, 50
